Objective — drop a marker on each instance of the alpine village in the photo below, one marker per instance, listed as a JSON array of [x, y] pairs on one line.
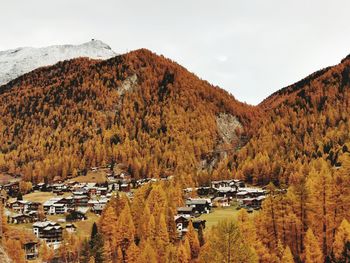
[[134, 159]]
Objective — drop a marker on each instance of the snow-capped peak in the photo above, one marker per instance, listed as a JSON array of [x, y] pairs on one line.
[[16, 62]]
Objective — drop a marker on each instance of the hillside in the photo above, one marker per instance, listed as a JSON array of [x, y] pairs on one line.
[[305, 121], [140, 109], [16, 62]]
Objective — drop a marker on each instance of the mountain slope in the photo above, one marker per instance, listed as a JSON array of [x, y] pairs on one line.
[[303, 122], [139, 109], [16, 62]]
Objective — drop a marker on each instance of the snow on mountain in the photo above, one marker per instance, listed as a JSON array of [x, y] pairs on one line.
[[16, 62]]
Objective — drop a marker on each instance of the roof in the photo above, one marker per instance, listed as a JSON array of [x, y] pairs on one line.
[[185, 209], [52, 201], [82, 210], [216, 199], [45, 224], [242, 193], [187, 217], [226, 189], [197, 201]]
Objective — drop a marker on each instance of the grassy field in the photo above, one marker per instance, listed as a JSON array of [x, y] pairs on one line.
[[41, 196], [219, 214], [83, 227], [92, 177]]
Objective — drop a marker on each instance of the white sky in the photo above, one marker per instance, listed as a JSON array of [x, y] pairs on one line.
[[249, 47]]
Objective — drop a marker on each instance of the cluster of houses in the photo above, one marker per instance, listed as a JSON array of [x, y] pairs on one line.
[[219, 194], [189, 213], [72, 199], [223, 192]]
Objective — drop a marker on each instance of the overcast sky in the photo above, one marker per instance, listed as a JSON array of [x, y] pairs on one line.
[[249, 47]]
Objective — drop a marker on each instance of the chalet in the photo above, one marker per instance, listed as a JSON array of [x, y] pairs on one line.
[[221, 202], [55, 206], [102, 191], [228, 183], [242, 195], [204, 191], [50, 232], [12, 188], [226, 191], [33, 206], [80, 200], [19, 206], [81, 192], [21, 219], [75, 215], [254, 202], [181, 222], [31, 250], [200, 205], [38, 187], [185, 210], [28, 240], [92, 191], [250, 192], [97, 206]]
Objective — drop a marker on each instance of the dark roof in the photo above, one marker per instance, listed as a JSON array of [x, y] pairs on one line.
[[196, 201]]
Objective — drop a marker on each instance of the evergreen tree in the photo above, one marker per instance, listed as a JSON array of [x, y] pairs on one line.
[[287, 256], [313, 253], [193, 240], [342, 238]]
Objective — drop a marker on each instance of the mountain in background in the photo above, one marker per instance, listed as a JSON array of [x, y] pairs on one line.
[[157, 118], [139, 109], [16, 62], [303, 122]]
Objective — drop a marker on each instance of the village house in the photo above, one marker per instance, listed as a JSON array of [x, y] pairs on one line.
[[21, 219], [80, 200], [185, 211], [253, 202], [31, 250], [200, 205], [97, 206], [23, 206], [226, 191], [12, 188], [221, 202], [28, 240], [204, 191], [55, 206], [181, 222], [76, 215], [50, 232], [250, 192]]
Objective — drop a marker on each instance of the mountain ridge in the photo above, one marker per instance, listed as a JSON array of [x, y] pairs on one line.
[[16, 62]]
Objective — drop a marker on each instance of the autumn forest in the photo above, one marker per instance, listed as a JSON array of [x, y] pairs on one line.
[[155, 119]]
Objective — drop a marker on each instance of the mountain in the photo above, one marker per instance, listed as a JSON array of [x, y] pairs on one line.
[[16, 62], [303, 122], [139, 109]]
